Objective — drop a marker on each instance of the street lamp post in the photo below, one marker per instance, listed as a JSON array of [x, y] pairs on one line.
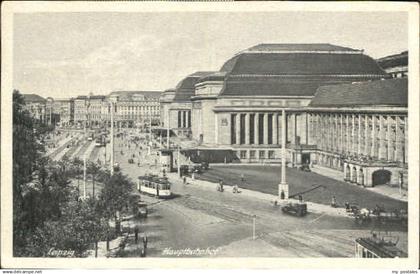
[[167, 131], [84, 176], [178, 163], [254, 217], [112, 139], [283, 186]]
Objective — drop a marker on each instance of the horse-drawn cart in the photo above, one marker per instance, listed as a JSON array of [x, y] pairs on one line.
[[380, 215]]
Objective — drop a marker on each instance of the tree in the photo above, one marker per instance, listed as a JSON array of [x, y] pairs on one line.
[[94, 170], [115, 196], [79, 227], [27, 151]]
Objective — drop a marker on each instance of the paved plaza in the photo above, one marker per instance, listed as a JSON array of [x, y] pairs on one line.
[[313, 187]]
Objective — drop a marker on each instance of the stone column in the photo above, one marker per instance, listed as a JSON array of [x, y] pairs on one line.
[[247, 131], [333, 134], [347, 139], [328, 132], [324, 126], [336, 134], [373, 136], [359, 134], [311, 129], [292, 128], [238, 128], [321, 131], [390, 150], [405, 139], [353, 134], [275, 128], [341, 133], [366, 152], [256, 128], [265, 138], [381, 138], [398, 144], [280, 128]]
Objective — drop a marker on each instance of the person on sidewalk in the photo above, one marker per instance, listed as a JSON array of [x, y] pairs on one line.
[[184, 180], [145, 242], [333, 202], [300, 198], [235, 189], [136, 234]]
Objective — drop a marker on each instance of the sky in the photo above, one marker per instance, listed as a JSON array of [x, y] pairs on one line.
[[63, 55]]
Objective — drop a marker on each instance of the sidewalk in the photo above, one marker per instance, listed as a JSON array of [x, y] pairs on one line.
[[312, 207], [385, 190]]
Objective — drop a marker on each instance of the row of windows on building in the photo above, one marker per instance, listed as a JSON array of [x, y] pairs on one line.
[[184, 119], [257, 154], [254, 128]]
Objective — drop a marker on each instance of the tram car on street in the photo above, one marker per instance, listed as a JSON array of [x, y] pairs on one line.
[[378, 246], [154, 186], [100, 140]]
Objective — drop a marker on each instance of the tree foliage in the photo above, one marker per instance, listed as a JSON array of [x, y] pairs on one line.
[[115, 194]]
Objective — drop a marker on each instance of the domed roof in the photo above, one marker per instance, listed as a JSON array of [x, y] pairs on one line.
[[186, 87], [295, 69]]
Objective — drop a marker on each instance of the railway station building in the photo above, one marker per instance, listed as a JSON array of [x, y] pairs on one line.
[[341, 110]]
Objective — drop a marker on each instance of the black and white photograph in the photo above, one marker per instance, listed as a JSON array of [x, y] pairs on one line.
[[209, 132]]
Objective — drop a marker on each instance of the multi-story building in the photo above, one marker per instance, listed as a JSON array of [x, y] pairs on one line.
[[178, 105], [165, 101], [395, 65], [94, 110], [361, 130], [35, 105], [64, 107], [316, 92], [133, 108], [80, 110]]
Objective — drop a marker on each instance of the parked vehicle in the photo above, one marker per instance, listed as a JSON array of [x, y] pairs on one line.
[[204, 165], [184, 169], [305, 167], [142, 210], [196, 168], [295, 209]]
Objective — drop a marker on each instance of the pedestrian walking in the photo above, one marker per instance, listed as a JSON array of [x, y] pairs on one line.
[[136, 234], [145, 242], [242, 177], [300, 198], [184, 180], [333, 202]]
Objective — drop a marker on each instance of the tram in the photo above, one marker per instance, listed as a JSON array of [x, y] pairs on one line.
[[154, 186], [378, 246]]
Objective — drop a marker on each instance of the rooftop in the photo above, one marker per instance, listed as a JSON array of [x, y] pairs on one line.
[[394, 60], [295, 69], [136, 95], [293, 47], [391, 92], [186, 87], [33, 98], [150, 93]]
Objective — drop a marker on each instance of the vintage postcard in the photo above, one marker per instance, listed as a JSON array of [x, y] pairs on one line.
[[210, 135]]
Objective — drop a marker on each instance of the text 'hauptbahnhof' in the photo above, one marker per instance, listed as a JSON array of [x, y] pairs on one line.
[[343, 111]]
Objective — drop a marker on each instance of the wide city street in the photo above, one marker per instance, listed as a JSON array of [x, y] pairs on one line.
[[213, 223]]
